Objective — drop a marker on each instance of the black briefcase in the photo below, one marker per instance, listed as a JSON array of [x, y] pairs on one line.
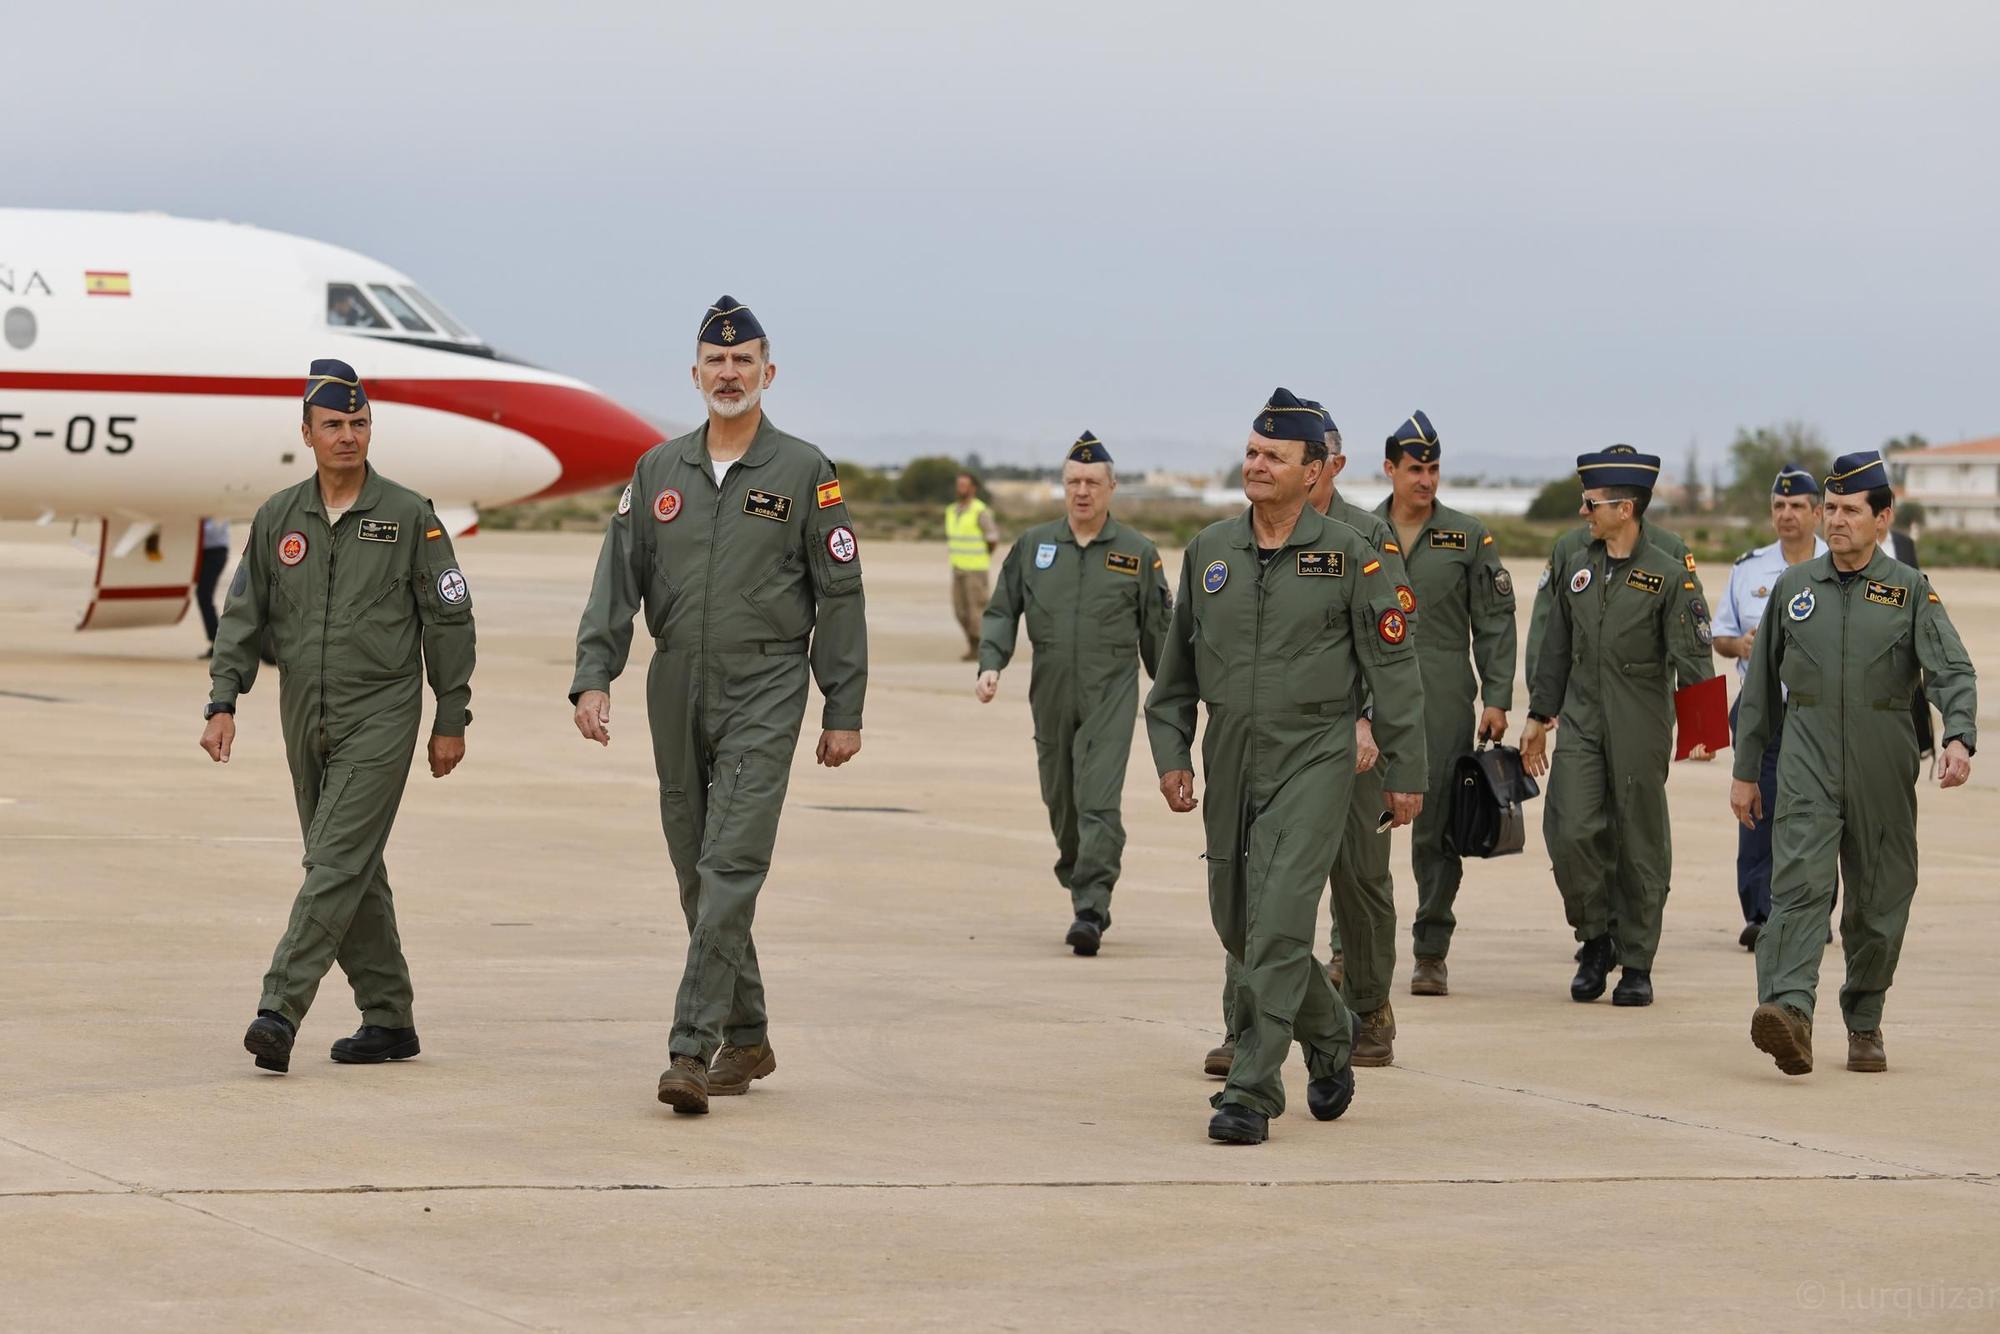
[[1488, 789]]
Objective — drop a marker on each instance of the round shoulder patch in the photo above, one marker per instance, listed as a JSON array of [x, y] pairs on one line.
[[625, 500], [667, 505], [1392, 626], [1580, 580], [451, 586], [1405, 598], [1801, 606], [292, 548], [840, 545], [1215, 576]]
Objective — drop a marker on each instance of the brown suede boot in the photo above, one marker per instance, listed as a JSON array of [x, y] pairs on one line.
[[1336, 968], [1375, 1044], [735, 1067], [684, 1085], [1220, 1059], [1785, 1034], [1428, 978], [1865, 1053]]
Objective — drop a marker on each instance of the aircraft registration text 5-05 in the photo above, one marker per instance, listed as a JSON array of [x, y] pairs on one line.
[[79, 435]]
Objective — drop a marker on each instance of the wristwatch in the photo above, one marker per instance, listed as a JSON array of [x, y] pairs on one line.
[[1543, 719], [214, 709]]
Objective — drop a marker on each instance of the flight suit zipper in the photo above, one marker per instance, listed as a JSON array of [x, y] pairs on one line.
[[325, 632], [1075, 634], [1256, 674]]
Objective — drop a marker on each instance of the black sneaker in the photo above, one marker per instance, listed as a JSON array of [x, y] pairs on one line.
[[269, 1039], [371, 1045], [1085, 933], [1232, 1124]]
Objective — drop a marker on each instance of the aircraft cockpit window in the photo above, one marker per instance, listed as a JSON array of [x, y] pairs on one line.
[[437, 312], [401, 309], [346, 308]]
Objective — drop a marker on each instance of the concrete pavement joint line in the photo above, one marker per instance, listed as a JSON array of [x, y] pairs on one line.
[[342, 1260], [1701, 1125], [129, 1186], [1688, 1178]]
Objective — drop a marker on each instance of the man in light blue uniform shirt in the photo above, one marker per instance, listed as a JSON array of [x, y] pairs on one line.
[[1795, 509]]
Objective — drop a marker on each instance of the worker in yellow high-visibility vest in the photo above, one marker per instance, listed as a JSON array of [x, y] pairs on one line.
[[971, 535]]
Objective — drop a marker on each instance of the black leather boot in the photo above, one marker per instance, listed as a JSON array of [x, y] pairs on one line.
[[1635, 987], [1232, 1124], [371, 1045], [1594, 962], [269, 1039], [1085, 933]]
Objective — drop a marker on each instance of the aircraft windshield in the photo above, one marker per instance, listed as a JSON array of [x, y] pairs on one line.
[[346, 308], [401, 309], [437, 312]]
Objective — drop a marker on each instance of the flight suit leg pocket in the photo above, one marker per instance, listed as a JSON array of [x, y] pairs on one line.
[[326, 844]]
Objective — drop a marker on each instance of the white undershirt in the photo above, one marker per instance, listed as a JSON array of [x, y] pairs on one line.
[[722, 467], [333, 515]]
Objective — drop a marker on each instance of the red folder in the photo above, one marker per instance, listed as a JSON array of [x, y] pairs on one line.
[[1701, 717]]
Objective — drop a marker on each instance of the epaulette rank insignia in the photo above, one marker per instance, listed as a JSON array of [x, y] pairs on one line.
[[1450, 541], [1646, 582], [1122, 563], [1887, 595], [1332, 564]]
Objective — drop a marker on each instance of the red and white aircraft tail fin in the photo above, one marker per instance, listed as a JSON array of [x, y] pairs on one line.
[[146, 572]]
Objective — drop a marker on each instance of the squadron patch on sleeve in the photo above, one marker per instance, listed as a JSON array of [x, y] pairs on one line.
[[768, 505], [451, 586], [1503, 583], [1646, 582], [1121, 563], [1580, 580], [625, 499], [1392, 626], [840, 545], [1327, 564], [1406, 597], [1887, 595], [1450, 541]]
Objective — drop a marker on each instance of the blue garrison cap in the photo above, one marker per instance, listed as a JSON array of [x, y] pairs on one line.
[[1620, 465], [728, 322], [1792, 480], [333, 384], [1289, 417], [1856, 473], [1088, 449], [1417, 438], [1320, 408]]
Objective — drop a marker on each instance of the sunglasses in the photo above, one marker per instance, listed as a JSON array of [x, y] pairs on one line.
[[1592, 505]]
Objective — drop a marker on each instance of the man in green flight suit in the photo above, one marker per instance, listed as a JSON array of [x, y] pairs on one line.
[[1629, 621], [734, 541], [1086, 614], [1280, 612], [1465, 595], [1838, 662], [352, 580]]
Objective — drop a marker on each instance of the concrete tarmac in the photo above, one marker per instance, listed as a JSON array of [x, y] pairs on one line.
[[970, 1127]]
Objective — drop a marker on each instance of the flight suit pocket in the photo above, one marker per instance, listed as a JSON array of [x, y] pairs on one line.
[[285, 621], [1211, 664], [1799, 671], [781, 599], [386, 630], [1889, 680]]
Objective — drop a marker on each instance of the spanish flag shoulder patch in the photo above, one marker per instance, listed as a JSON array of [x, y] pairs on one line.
[[828, 493], [1486, 540], [1392, 548], [1371, 567], [433, 534]]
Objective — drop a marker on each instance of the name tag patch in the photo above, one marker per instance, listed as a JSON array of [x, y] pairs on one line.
[[1646, 582], [1887, 595], [378, 530], [1450, 541], [1329, 564], [768, 505], [1122, 563]]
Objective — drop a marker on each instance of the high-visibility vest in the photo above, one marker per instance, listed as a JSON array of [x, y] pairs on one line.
[[965, 537]]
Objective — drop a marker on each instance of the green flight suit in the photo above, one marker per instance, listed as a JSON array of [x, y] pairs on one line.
[[1463, 594], [1566, 546], [1088, 609], [742, 585], [1362, 888], [1275, 650], [1620, 633], [1837, 664], [357, 613]]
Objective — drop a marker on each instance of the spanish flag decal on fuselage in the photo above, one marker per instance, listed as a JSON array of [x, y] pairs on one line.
[[105, 282]]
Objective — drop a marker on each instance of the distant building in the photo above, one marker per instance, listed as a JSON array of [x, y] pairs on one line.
[[1958, 485]]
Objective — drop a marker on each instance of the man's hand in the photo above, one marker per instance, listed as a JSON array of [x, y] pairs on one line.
[[837, 748], [1403, 807], [988, 687], [1955, 769], [1749, 643], [593, 716], [1365, 750], [445, 753], [220, 735], [1493, 724], [1700, 753], [1746, 801], [1178, 788], [1535, 749]]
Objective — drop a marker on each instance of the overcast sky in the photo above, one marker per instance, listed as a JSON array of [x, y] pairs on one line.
[[1552, 225]]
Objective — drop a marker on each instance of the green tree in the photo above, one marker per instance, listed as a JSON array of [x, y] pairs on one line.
[[931, 479], [1757, 455], [860, 482], [1910, 441], [1556, 500]]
